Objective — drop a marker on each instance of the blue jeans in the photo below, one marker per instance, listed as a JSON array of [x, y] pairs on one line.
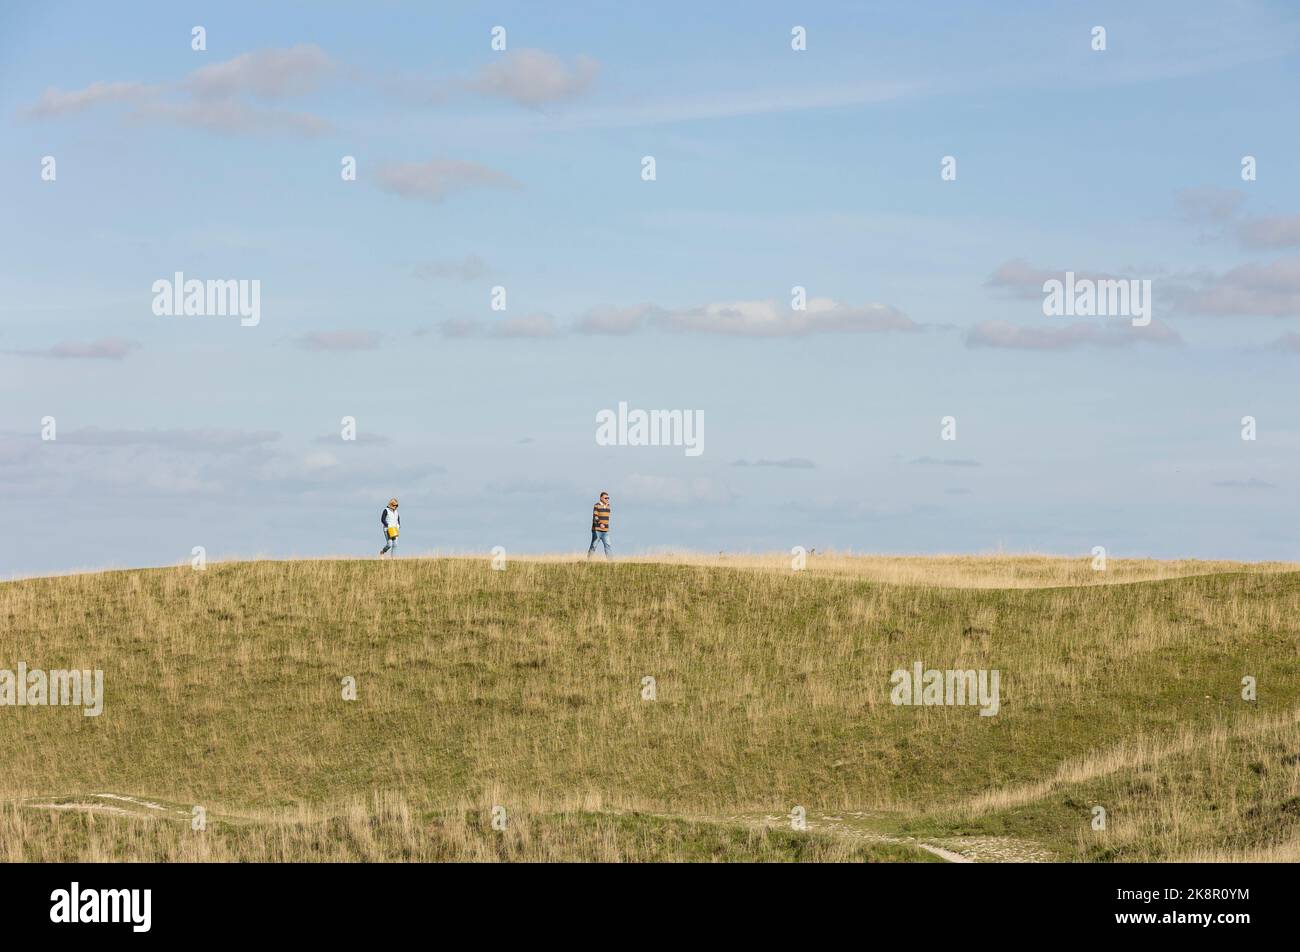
[[604, 540], [388, 544]]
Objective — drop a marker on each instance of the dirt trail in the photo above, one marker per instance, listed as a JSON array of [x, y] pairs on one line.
[[954, 849], [862, 826], [95, 803]]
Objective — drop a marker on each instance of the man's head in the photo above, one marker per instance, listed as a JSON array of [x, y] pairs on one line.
[[604, 499], [392, 504]]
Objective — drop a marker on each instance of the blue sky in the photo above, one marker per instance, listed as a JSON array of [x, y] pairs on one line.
[[522, 169]]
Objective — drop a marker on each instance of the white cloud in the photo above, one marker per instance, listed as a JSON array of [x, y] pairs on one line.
[[1260, 290], [211, 440], [772, 318], [1021, 279], [434, 180], [614, 320], [209, 97], [56, 102], [1244, 484], [535, 77], [756, 318], [1004, 334], [1279, 232], [1287, 342], [106, 348], [266, 74]]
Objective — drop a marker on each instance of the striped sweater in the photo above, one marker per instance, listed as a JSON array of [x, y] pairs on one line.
[[600, 518]]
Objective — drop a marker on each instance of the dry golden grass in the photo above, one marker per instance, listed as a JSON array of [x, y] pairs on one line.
[[1137, 754], [930, 571], [1288, 852], [223, 689], [386, 828], [960, 571]]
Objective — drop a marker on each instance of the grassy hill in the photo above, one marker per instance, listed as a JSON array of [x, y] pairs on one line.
[[523, 689]]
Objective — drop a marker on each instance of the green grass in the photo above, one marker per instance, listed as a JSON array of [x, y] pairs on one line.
[[378, 832], [523, 688]]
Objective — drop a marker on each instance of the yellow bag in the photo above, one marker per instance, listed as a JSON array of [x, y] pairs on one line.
[[392, 532]]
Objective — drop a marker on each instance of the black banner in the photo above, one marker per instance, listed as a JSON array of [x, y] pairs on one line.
[[139, 902]]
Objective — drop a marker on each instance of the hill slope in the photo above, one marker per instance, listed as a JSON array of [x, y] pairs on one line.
[[525, 688]]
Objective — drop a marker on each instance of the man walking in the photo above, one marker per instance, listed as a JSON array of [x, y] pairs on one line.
[[392, 524], [600, 525]]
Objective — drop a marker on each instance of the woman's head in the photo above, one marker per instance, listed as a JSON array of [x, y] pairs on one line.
[[392, 504]]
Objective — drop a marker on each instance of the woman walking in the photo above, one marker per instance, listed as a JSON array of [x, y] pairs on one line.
[[392, 524]]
